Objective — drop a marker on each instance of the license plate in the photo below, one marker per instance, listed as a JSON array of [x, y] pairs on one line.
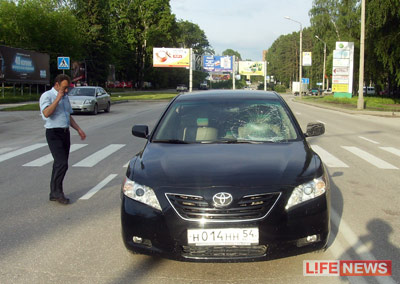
[[223, 237]]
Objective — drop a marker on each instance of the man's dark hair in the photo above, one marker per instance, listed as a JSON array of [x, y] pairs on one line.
[[62, 77]]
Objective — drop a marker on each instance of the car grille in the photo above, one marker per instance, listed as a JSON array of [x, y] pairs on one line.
[[196, 208], [223, 251]]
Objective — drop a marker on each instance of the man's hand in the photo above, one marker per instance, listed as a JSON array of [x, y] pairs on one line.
[[82, 134]]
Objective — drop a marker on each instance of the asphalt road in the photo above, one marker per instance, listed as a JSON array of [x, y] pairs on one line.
[[45, 242]]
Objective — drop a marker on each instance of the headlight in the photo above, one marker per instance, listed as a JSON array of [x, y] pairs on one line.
[[88, 102], [306, 191], [141, 193]]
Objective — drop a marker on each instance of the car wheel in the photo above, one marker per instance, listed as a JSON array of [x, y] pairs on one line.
[[95, 109], [108, 108]]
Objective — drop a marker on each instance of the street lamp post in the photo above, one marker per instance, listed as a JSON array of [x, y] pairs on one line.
[[323, 72], [360, 101], [301, 53]]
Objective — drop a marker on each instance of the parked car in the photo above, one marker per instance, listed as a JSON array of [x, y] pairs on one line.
[[226, 176], [181, 88], [203, 86], [89, 99], [369, 90], [314, 92]]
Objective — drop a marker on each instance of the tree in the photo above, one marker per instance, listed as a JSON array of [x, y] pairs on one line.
[[231, 52]]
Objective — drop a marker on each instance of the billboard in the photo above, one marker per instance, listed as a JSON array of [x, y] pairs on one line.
[[342, 67], [217, 63], [255, 68], [24, 66], [171, 57], [307, 59]]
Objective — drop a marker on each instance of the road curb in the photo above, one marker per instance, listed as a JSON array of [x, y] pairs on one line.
[[350, 111]]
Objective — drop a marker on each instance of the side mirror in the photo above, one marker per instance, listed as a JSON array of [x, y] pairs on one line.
[[315, 129], [141, 131]]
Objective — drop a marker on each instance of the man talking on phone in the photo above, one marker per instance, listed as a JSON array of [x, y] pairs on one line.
[[56, 111]]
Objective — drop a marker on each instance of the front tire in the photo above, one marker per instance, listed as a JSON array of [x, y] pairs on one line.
[[108, 108], [95, 109]]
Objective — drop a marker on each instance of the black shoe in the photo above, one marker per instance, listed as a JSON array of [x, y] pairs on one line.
[[62, 199]]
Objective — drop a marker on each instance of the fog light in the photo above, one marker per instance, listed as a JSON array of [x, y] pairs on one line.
[[137, 240], [308, 240], [312, 238]]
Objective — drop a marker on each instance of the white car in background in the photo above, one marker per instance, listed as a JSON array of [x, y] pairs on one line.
[[89, 99]]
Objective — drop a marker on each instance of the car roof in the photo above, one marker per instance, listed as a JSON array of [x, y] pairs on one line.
[[228, 94]]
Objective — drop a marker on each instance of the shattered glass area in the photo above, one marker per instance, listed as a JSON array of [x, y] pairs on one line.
[[217, 122]]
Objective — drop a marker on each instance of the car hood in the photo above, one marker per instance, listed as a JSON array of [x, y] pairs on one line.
[[204, 165], [80, 98]]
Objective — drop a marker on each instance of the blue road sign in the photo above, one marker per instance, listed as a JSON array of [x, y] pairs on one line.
[[63, 63], [305, 80]]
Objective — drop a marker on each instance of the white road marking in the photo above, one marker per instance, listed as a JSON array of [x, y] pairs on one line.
[[391, 150], [321, 122], [21, 151], [49, 158], [328, 159], [381, 164], [98, 187], [298, 113], [369, 140], [4, 150], [99, 156], [356, 244], [126, 165]]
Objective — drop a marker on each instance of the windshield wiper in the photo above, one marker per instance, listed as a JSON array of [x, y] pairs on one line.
[[171, 141], [235, 141]]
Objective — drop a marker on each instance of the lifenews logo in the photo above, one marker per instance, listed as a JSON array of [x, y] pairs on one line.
[[347, 267]]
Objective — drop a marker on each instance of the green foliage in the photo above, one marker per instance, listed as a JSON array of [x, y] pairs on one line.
[[339, 20], [231, 52], [280, 88]]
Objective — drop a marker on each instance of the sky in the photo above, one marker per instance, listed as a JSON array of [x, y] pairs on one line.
[[246, 26]]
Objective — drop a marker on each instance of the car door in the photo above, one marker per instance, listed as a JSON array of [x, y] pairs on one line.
[[100, 98]]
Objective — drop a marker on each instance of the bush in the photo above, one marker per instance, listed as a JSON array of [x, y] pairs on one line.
[[280, 89]]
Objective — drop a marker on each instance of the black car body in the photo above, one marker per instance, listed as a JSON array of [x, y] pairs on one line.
[[226, 176]]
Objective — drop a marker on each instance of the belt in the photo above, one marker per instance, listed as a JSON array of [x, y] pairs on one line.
[[59, 129]]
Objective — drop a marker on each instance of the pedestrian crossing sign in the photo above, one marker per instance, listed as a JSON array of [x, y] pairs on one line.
[[63, 63]]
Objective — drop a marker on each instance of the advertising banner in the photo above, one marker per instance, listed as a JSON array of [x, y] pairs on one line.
[[307, 61], [255, 68], [171, 57], [342, 69], [217, 63], [24, 66]]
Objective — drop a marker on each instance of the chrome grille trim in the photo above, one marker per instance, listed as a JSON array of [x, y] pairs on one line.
[[236, 214], [224, 251]]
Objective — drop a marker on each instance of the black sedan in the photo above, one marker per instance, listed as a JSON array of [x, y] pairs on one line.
[[226, 176]]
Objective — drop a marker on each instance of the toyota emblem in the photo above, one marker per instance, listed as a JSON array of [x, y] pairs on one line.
[[222, 199]]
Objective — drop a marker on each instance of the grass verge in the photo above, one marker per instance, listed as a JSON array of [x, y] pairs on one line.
[[371, 103]]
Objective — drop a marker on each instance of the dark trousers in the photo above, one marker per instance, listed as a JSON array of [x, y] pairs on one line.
[[59, 142]]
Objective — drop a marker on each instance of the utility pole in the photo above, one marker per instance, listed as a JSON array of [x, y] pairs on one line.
[[301, 55], [191, 70], [360, 101], [323, 72], [233, 73]]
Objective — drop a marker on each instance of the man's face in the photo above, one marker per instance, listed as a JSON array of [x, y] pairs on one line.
[[63, 86]]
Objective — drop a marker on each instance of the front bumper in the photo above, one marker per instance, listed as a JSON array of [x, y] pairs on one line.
[[281, 233], [82, 107]]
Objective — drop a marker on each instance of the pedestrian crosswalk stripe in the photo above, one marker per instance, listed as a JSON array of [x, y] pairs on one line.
[[126, 165], [21, 151], [49, 158], [4, 150], [98, 187], [99, 156], [381, 164], [328, 159], [369, 140], [391, 150]]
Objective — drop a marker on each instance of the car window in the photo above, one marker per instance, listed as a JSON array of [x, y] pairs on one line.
[[240, 121], [88, 92]]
